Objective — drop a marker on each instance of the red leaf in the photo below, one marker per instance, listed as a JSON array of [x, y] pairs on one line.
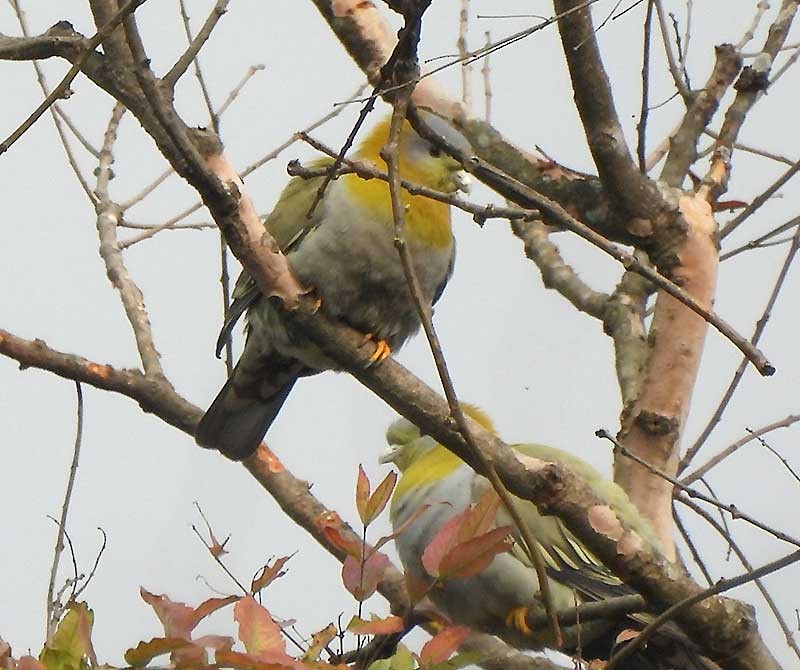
[[269, 573], [377, 501], [474, 556], [376, 626], [178, 619], [362, 580], [259, 633], [29, 663], [479, 517], [210, 606], [362, 494], [440, 647], [444, 540], [332, 527]]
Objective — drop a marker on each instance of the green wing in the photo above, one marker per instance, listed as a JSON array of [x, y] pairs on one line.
[[288, 224]]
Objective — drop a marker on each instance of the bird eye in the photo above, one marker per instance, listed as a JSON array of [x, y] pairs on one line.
[[435, 152]]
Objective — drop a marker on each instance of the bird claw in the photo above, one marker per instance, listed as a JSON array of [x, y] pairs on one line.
[[517, 619], [382, 350]]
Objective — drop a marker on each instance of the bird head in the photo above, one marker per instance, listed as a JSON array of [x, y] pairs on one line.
[[419, 161], [407, 443]]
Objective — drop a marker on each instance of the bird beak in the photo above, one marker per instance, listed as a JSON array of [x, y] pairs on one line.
[[463, 181], [388, 455]]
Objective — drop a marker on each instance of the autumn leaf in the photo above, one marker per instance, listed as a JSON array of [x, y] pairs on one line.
[[319, 641], [29, 663], [376, 625], [440, 647], [338, 535], [362, 493], [178, 619], [474, 556], [402, 659], [362, 580], [260, 634], [377, 501], [214, 546], [269, 573], [144, 652], [463, 547], [71, 645]]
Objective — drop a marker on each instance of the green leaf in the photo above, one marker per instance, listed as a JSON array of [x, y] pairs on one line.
[[71, 646]]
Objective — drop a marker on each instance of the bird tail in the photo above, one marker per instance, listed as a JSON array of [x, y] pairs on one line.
[[235, 423], [671, 650]]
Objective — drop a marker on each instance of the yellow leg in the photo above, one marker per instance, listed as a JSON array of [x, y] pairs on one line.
[[516, 619], [382, 350]]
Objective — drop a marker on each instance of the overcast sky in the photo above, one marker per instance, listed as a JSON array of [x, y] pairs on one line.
[[543, 372]]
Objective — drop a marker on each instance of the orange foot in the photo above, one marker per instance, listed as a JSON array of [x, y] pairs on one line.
[[516, 619], [382, 349]]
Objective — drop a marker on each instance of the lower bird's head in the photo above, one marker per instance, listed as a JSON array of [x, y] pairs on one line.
[[419, 160], [407, 443]]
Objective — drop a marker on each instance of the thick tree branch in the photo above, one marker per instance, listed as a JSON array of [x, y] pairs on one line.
[[683, 144], [622, 180], [653, 423]]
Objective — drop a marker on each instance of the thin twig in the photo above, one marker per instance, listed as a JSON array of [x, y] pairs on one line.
[[758, 201], [761, 242], [725, 453], [53, 612], [687, 538], [641, 127], [189, 56], [672, 63], [77, 64], [777, 454], [59, 117], [731, 509], [461, 45], [486, 73], [787, 632], [749, 34], [722, 585]]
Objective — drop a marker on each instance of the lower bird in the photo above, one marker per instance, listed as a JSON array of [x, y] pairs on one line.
[[499, 598], [345, 251]]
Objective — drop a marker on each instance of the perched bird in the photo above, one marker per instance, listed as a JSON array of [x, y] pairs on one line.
[[345, 252], [498, 598]]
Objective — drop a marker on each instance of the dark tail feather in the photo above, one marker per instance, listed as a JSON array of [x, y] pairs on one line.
[[234, 425], [671, 651]]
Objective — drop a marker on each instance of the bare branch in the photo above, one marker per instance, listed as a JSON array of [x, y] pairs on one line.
[[108, 217], [683, 145], [187, 57], [751, 435], [59, 90], [53, 608]]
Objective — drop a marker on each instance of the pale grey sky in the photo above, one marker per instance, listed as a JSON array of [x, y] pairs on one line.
[[543, 371]]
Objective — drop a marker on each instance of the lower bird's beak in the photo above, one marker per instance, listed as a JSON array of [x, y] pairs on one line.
[[388, 455], [462, 180]]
